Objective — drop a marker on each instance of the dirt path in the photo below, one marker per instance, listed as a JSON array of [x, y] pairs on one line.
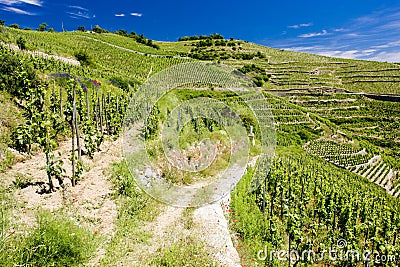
[[42, 54], [91, 205], [213, 230]]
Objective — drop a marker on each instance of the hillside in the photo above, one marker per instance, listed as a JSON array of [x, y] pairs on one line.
[[284, 69], [335, 174]]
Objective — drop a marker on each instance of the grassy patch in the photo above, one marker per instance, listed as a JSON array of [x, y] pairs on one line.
[[7, 237], [57, 242], [22, 180], [185, 252], [135, 208], [7, 159]]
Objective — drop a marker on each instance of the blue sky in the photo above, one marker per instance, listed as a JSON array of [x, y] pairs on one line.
[[362, 29]]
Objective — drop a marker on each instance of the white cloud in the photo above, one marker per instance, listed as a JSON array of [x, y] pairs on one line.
[[17, 11], [297, 26], [79, 7], [314, 34], [79, 14], [136, 14], [19, 2], [120, 15], [387, 57], [387, 45]]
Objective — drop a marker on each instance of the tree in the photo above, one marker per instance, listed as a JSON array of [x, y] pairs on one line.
[[21, 43], [2, 22], [98, 29], [42, 27], [14, 25], [81, 28], [121, 32], [83, 57]]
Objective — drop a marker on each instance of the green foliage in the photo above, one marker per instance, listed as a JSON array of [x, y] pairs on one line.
[[16, 76], [22, 181], [122, 179], [42, 27], [214, 36], [8, 242], [21, 42], [90, 135], [252, 68], [314, 207], [152, 125], [98, 29], [57, 242], [7, 159], [125, 185], [83, 57], [81, 28], [14, 25], [138, 38], [122, 83], [184, 252], [55, 166]]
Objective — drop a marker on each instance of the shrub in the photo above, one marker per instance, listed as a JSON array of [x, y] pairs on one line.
[[125, 185], [42, 27], [98, 29], [57, 242], [21, 43], [14, 25], [83, 57], [16, 76]]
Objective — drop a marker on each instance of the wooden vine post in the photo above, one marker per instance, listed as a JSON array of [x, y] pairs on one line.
[[76, 124], [73, 180], [87, 103]]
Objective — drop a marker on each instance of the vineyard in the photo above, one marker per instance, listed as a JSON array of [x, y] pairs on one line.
[[306, 205], [359, 162], [314, 158]]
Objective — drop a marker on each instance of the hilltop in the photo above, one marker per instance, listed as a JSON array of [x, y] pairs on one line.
[[273, 69]]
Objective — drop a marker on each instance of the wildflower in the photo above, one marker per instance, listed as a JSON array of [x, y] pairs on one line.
[[95, 233]]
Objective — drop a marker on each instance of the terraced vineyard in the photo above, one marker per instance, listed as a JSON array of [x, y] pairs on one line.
[[358, 161], [291, 71], [335, 173]]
